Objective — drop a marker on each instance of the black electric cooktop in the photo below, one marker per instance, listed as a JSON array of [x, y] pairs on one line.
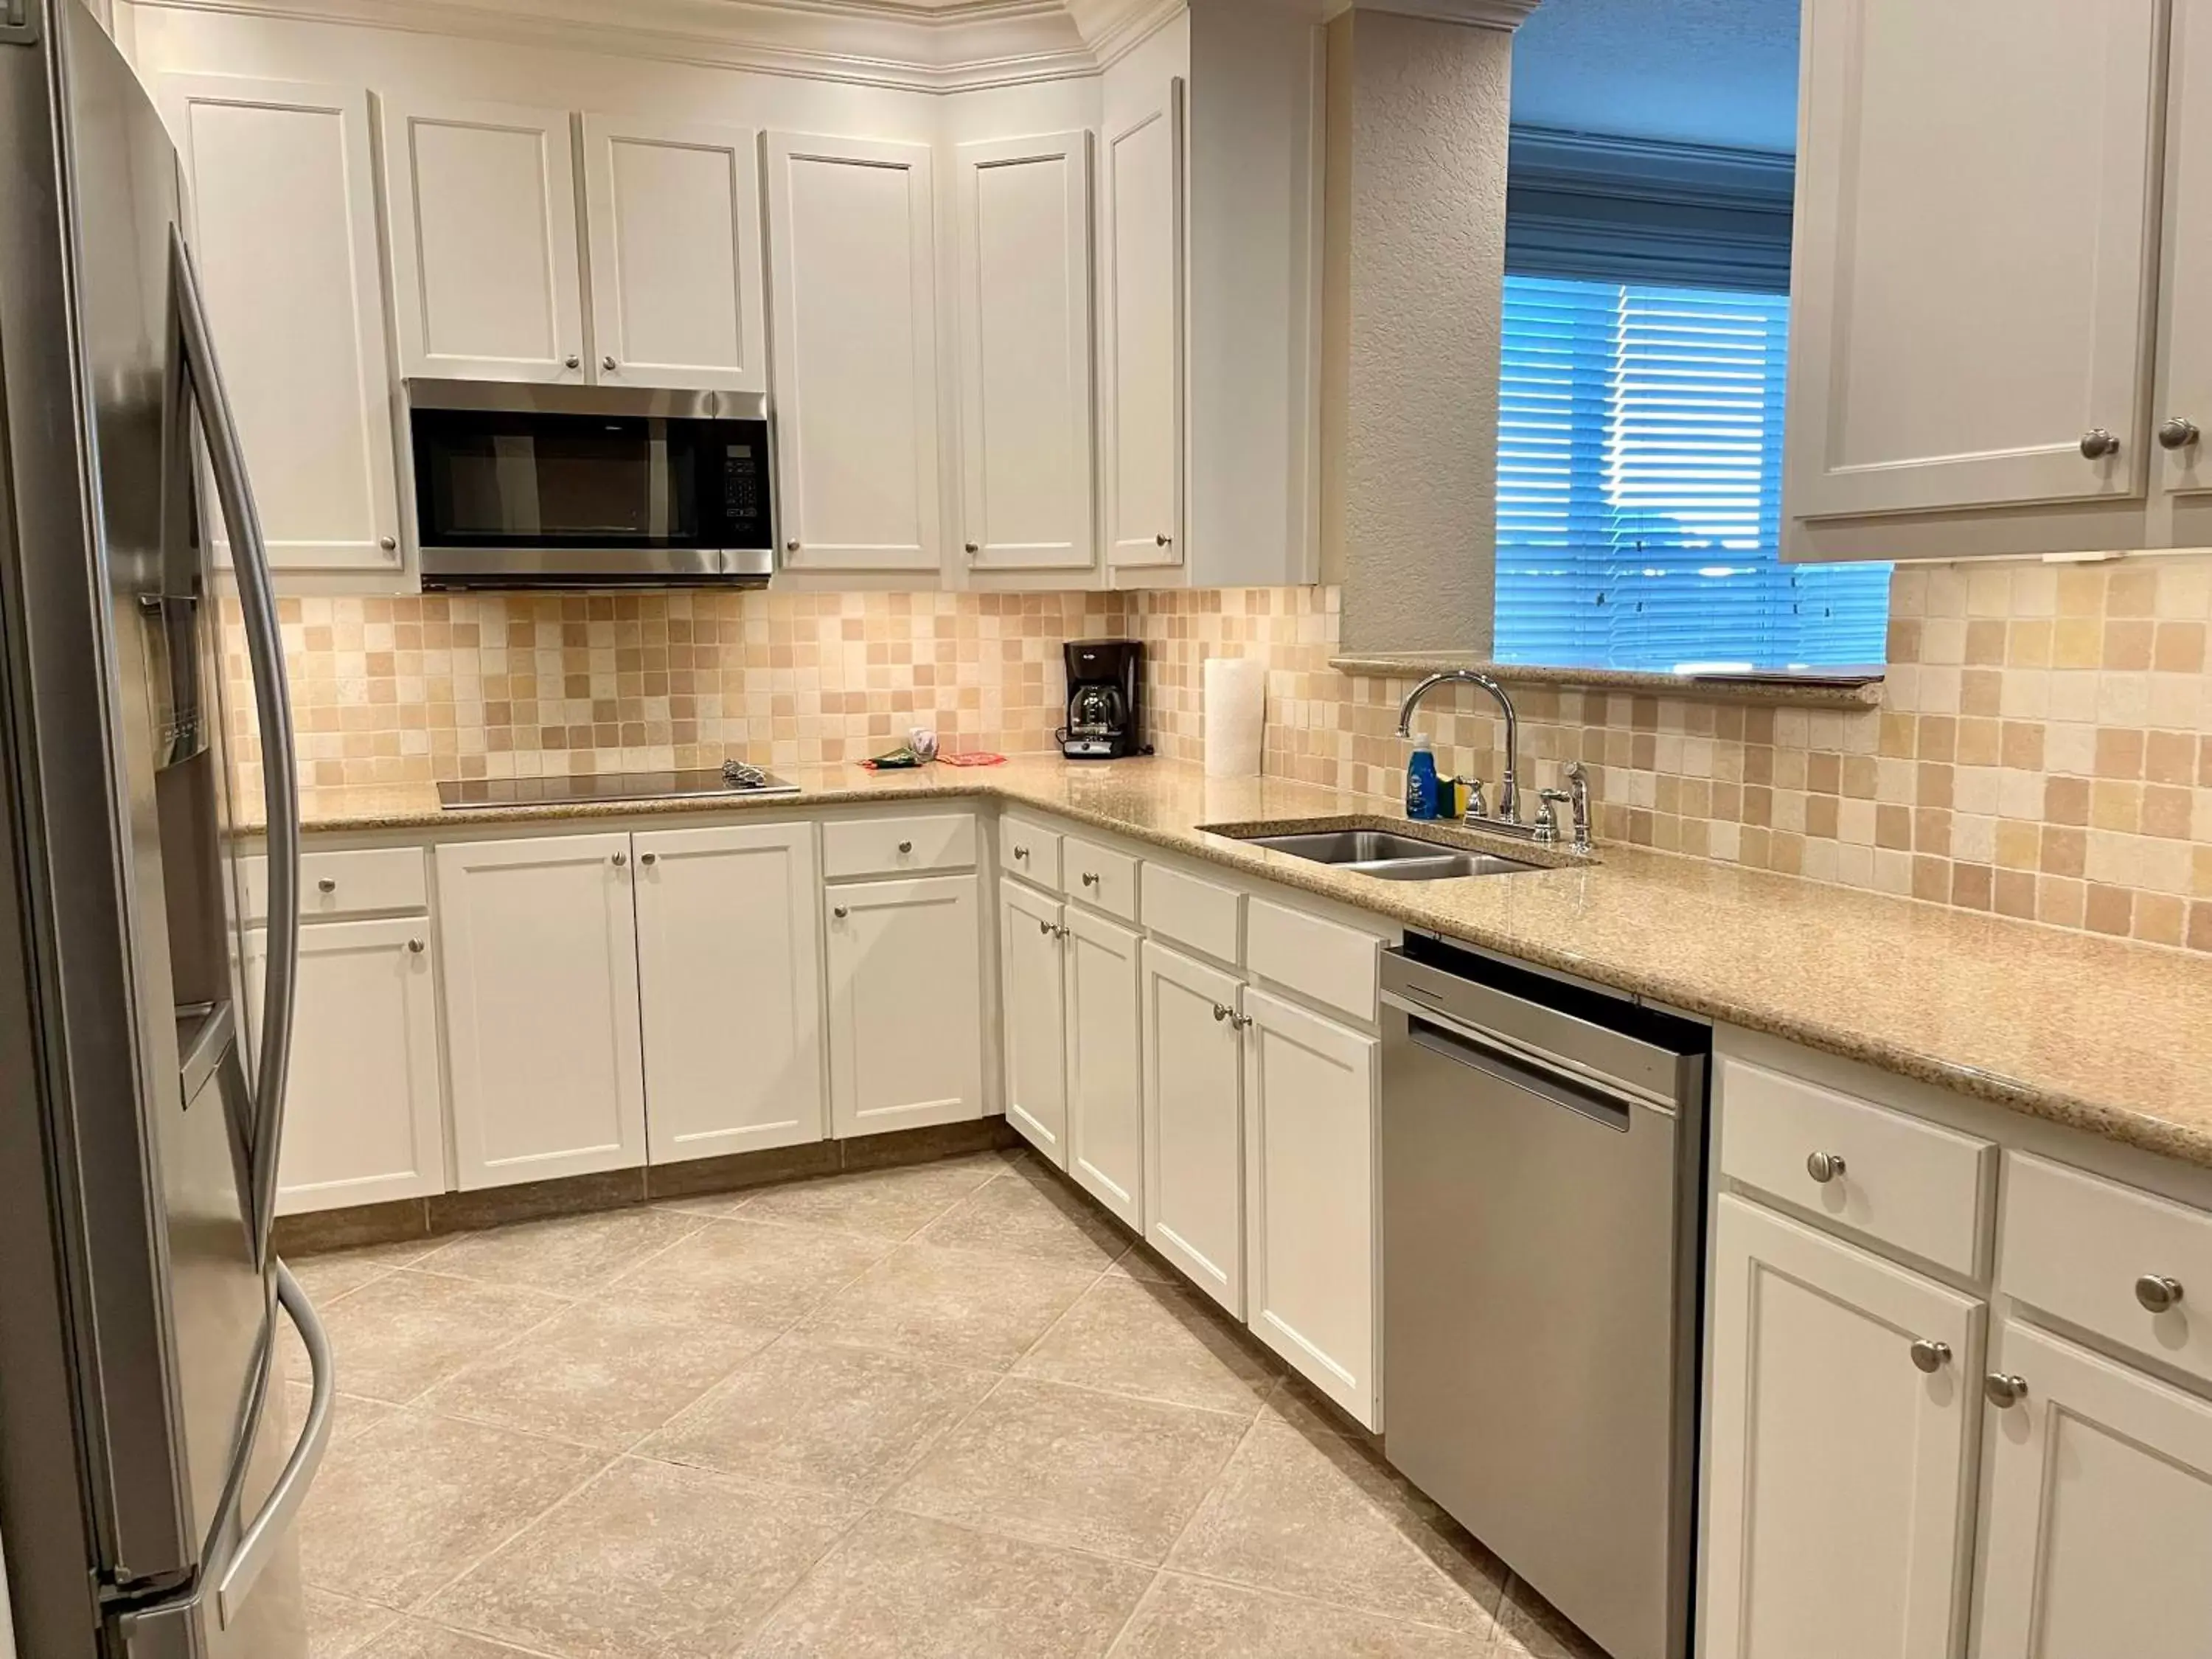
[[582, 788]]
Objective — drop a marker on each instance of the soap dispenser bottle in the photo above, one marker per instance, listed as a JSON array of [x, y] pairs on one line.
[[1421, 780]]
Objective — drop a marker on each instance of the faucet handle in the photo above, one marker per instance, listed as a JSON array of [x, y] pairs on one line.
[[1477, 807], [1548, 812]]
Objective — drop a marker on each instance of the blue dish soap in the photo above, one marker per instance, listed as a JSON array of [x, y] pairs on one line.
[[1421, 789]]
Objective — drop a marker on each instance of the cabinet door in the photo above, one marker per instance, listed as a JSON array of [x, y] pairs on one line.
[[1310, 1236], [853, 308], [364, 1114], [480, 204], [905, 1003], [729, 969], [1975, 183], [1141, 331], [673, 211], [282, 191], [539, 947], [2100, 1511], [1035, 1005], [2182, 416], [1105, 1064], [1024, 263], [1195, 1122], [1840, 1475]]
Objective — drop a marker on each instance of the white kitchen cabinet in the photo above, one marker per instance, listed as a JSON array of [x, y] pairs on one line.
[[1033, 1010], [2100, 1513], [364, 1112], [2181, 413], [852, 344], [282, 202], [1839, 1493], [540, 945], [1194, 1121], [1140, 331], [1310, 1256], [729, 967], [672, 211], [1024, 260], [480, 211], [905, 1003], [1105, 1071]]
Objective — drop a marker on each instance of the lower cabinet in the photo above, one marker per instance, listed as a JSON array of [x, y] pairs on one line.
[[540, 957], [1840, 1490], [1310, 1183], [1194, 1120], [729, 965], [1033, 1005], [906, 1003], [2099, 1523], [364, 1121], [1105, 1072]]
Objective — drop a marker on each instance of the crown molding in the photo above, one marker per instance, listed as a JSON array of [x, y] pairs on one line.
[[1505, 14], [962, 45]]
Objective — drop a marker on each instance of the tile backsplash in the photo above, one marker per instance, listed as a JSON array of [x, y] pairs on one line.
[[2044, 748]]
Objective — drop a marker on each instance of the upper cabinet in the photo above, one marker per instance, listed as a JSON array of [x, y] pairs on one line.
[[853, 303], [1977, 297], [299, 317], [673, 212], [1141, 331], [1023, 274], [487, 274]]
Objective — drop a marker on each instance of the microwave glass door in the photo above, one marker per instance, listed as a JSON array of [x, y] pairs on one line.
[[555, 481]]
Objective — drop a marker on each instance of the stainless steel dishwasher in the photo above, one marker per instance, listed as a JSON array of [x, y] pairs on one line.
[[1543, 1149]]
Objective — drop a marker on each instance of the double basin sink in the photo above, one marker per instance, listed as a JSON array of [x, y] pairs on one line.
[[1383, 854]]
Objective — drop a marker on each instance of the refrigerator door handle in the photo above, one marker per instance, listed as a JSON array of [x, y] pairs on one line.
[[264, 650], [258, 1541]]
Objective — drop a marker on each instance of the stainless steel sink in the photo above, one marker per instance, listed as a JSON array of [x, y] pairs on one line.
[[1386, 856]]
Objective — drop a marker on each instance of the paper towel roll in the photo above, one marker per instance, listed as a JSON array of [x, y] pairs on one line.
[[1235, 715]]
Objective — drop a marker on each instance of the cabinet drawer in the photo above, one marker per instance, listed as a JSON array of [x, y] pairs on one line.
[[343, 883], [1101, 877], [1323, 960], [898, 846], [1028, 849], [1203, 915], [1914, 1185], [2077, 1245]]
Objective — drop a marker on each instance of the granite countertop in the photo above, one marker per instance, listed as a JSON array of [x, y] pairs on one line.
[[2106, 1036]]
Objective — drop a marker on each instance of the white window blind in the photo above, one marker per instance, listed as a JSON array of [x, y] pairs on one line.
[[1639, 489]]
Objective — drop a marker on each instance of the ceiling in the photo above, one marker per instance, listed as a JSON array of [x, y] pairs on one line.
[[1721, 72]]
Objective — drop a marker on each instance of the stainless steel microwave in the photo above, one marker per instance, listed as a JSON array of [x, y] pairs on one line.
[[568, 486]]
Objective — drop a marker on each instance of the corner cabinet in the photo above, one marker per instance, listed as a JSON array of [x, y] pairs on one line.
[[672, 218], [480, 208], [1840, 1525], [540, 956], [906, 1003], [1973, 343], [852, 343], [1140, 329], [729, 986], [298, 317]]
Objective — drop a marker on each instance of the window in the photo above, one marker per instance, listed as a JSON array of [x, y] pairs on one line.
[[1639, 489]]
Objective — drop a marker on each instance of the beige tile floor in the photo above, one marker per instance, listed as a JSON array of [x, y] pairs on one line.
[[938, 1411]]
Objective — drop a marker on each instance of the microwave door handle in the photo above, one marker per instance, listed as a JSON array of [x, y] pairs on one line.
[[265, 650]]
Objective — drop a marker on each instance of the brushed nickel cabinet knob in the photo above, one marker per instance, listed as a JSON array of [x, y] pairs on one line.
[[414, 946], [607, 362], [840, 912], [572, 361], [1090, 878], [1044, 928], [791, 546], [1824, 1167], [906, 846], [1022, 852], [2003, 1389], [1220, 1013], [2157, 1293], [327, 884], [621, 858], [648, 858], [1165, 539], [972, 548], [1931, 1356], [387, 543], [2098, 443], [2177, 434]]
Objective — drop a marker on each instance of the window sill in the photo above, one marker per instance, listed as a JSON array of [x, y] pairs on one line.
[[1769, 690]]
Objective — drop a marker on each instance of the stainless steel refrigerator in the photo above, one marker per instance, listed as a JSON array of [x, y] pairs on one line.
[[148, 1478]]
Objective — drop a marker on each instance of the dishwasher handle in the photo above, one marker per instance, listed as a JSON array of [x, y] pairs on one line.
[[1505, 1062]]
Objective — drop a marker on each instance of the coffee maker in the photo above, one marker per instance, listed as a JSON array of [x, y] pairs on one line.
[[1104, 678]]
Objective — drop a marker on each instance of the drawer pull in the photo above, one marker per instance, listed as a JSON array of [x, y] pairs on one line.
[[1090, 878], [2157, 1293], [906, 846], [1021, 853], [840, 912], [648, 858], [1931, 1356], [414, 946], [2003, 1389], [1824, 1167], [327, 884]]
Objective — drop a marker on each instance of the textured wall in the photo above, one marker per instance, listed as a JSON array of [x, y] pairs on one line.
[[1418, 230]]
